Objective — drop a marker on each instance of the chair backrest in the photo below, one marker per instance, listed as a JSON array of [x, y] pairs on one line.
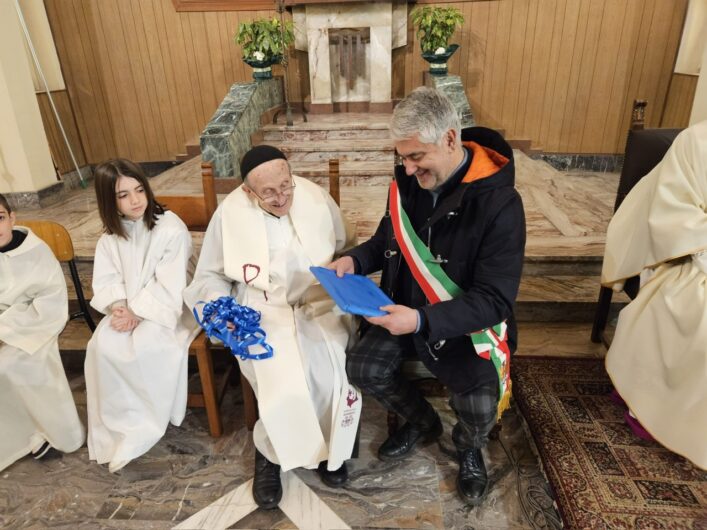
[[194, 210], [645, 148], [54, 235], [334, 180]]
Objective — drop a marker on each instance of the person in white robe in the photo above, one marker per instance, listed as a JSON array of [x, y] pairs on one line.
[[136, 361], [258, 249], [658, 357], [37, 410]]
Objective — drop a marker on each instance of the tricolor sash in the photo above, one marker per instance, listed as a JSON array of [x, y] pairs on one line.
[[489, 343]]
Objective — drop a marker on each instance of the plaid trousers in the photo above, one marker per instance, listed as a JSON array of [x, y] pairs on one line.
[[375, 366]]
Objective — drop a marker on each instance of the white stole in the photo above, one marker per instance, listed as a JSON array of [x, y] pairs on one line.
[[284, 401]]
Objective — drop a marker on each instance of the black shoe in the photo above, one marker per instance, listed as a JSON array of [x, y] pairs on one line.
[[46, 452], [267, 488], [472, 480], [401, 442], [333, 479]]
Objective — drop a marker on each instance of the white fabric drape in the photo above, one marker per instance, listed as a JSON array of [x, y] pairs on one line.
[[36, 404], [658, 358]]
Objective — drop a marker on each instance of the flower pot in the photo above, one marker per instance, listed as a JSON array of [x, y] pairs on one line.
[[438, 61], [263, 69]]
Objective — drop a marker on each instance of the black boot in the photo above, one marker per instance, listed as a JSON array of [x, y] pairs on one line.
[[472, 480], [267, 488], [333, 479], [402, 441]]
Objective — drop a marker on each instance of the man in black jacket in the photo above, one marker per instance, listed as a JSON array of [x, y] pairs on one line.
[[451, 247]]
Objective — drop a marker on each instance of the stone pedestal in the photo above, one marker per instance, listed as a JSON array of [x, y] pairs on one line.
[[452, 87], [226, 138], [385, 25]]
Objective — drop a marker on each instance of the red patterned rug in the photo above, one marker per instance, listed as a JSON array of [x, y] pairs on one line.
[[603, 476]]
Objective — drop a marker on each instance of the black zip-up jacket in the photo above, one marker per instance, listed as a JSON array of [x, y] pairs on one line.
[[477, 229]]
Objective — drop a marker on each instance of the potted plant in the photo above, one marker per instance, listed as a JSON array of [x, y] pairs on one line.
[[264, 42], [435, 26]]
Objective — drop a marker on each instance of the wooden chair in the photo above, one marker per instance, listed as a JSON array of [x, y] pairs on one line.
[[196, 212], [645, 148], [58, 239]]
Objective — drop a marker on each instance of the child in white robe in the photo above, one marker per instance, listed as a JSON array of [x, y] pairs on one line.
[[136, 361], [37, 411]]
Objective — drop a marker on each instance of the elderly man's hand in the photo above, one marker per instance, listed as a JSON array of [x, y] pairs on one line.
[[400, 319], [344, 264]]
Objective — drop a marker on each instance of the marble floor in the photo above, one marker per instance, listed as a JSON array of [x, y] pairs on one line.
[[187, 470]]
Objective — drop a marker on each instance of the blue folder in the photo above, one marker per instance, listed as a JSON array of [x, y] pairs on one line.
[[353, 293]]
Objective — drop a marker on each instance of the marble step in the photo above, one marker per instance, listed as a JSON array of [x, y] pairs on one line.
[[351, 173], [317, 133], [557, 339], [354, 150]]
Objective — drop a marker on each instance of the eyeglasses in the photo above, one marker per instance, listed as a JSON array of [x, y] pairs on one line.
[[271, 197]]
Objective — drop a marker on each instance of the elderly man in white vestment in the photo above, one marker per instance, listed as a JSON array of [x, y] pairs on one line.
[[37, 410], [658, 358], [258, 248]]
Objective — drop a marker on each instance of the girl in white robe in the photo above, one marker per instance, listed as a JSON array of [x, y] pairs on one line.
[[136, 361], [658, 357], [36, 405]]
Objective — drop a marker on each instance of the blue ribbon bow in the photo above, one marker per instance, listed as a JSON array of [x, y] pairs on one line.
[[247, 332]]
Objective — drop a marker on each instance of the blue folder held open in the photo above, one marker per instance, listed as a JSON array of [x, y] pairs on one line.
[[353, 293]]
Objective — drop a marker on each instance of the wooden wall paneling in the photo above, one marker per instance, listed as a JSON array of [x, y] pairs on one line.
[[116, 75], [236, 60], [501, 60], [71, 26], [650, 86], [537, 62], [408, 50], [485, 107], [147, 80], [416, 63], [211, 76], [398, 74], [557, 12], [199, 81], [569, 126], [513, 83], [159, 60], [678, 105], [670, 58], [645, 9], [627, 17], [475, 73], [60, 153], [588, 65], [561, 86], [519, 120], [144, 79], [184, 83], [462, 36], [598, 97], [219, 23], [459, 37], [182, 109]]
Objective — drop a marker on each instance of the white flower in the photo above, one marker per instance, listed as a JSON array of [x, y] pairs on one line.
[[258, 56], [440, 51]]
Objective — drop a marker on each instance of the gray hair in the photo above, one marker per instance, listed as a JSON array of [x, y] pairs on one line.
[[427, 113]]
